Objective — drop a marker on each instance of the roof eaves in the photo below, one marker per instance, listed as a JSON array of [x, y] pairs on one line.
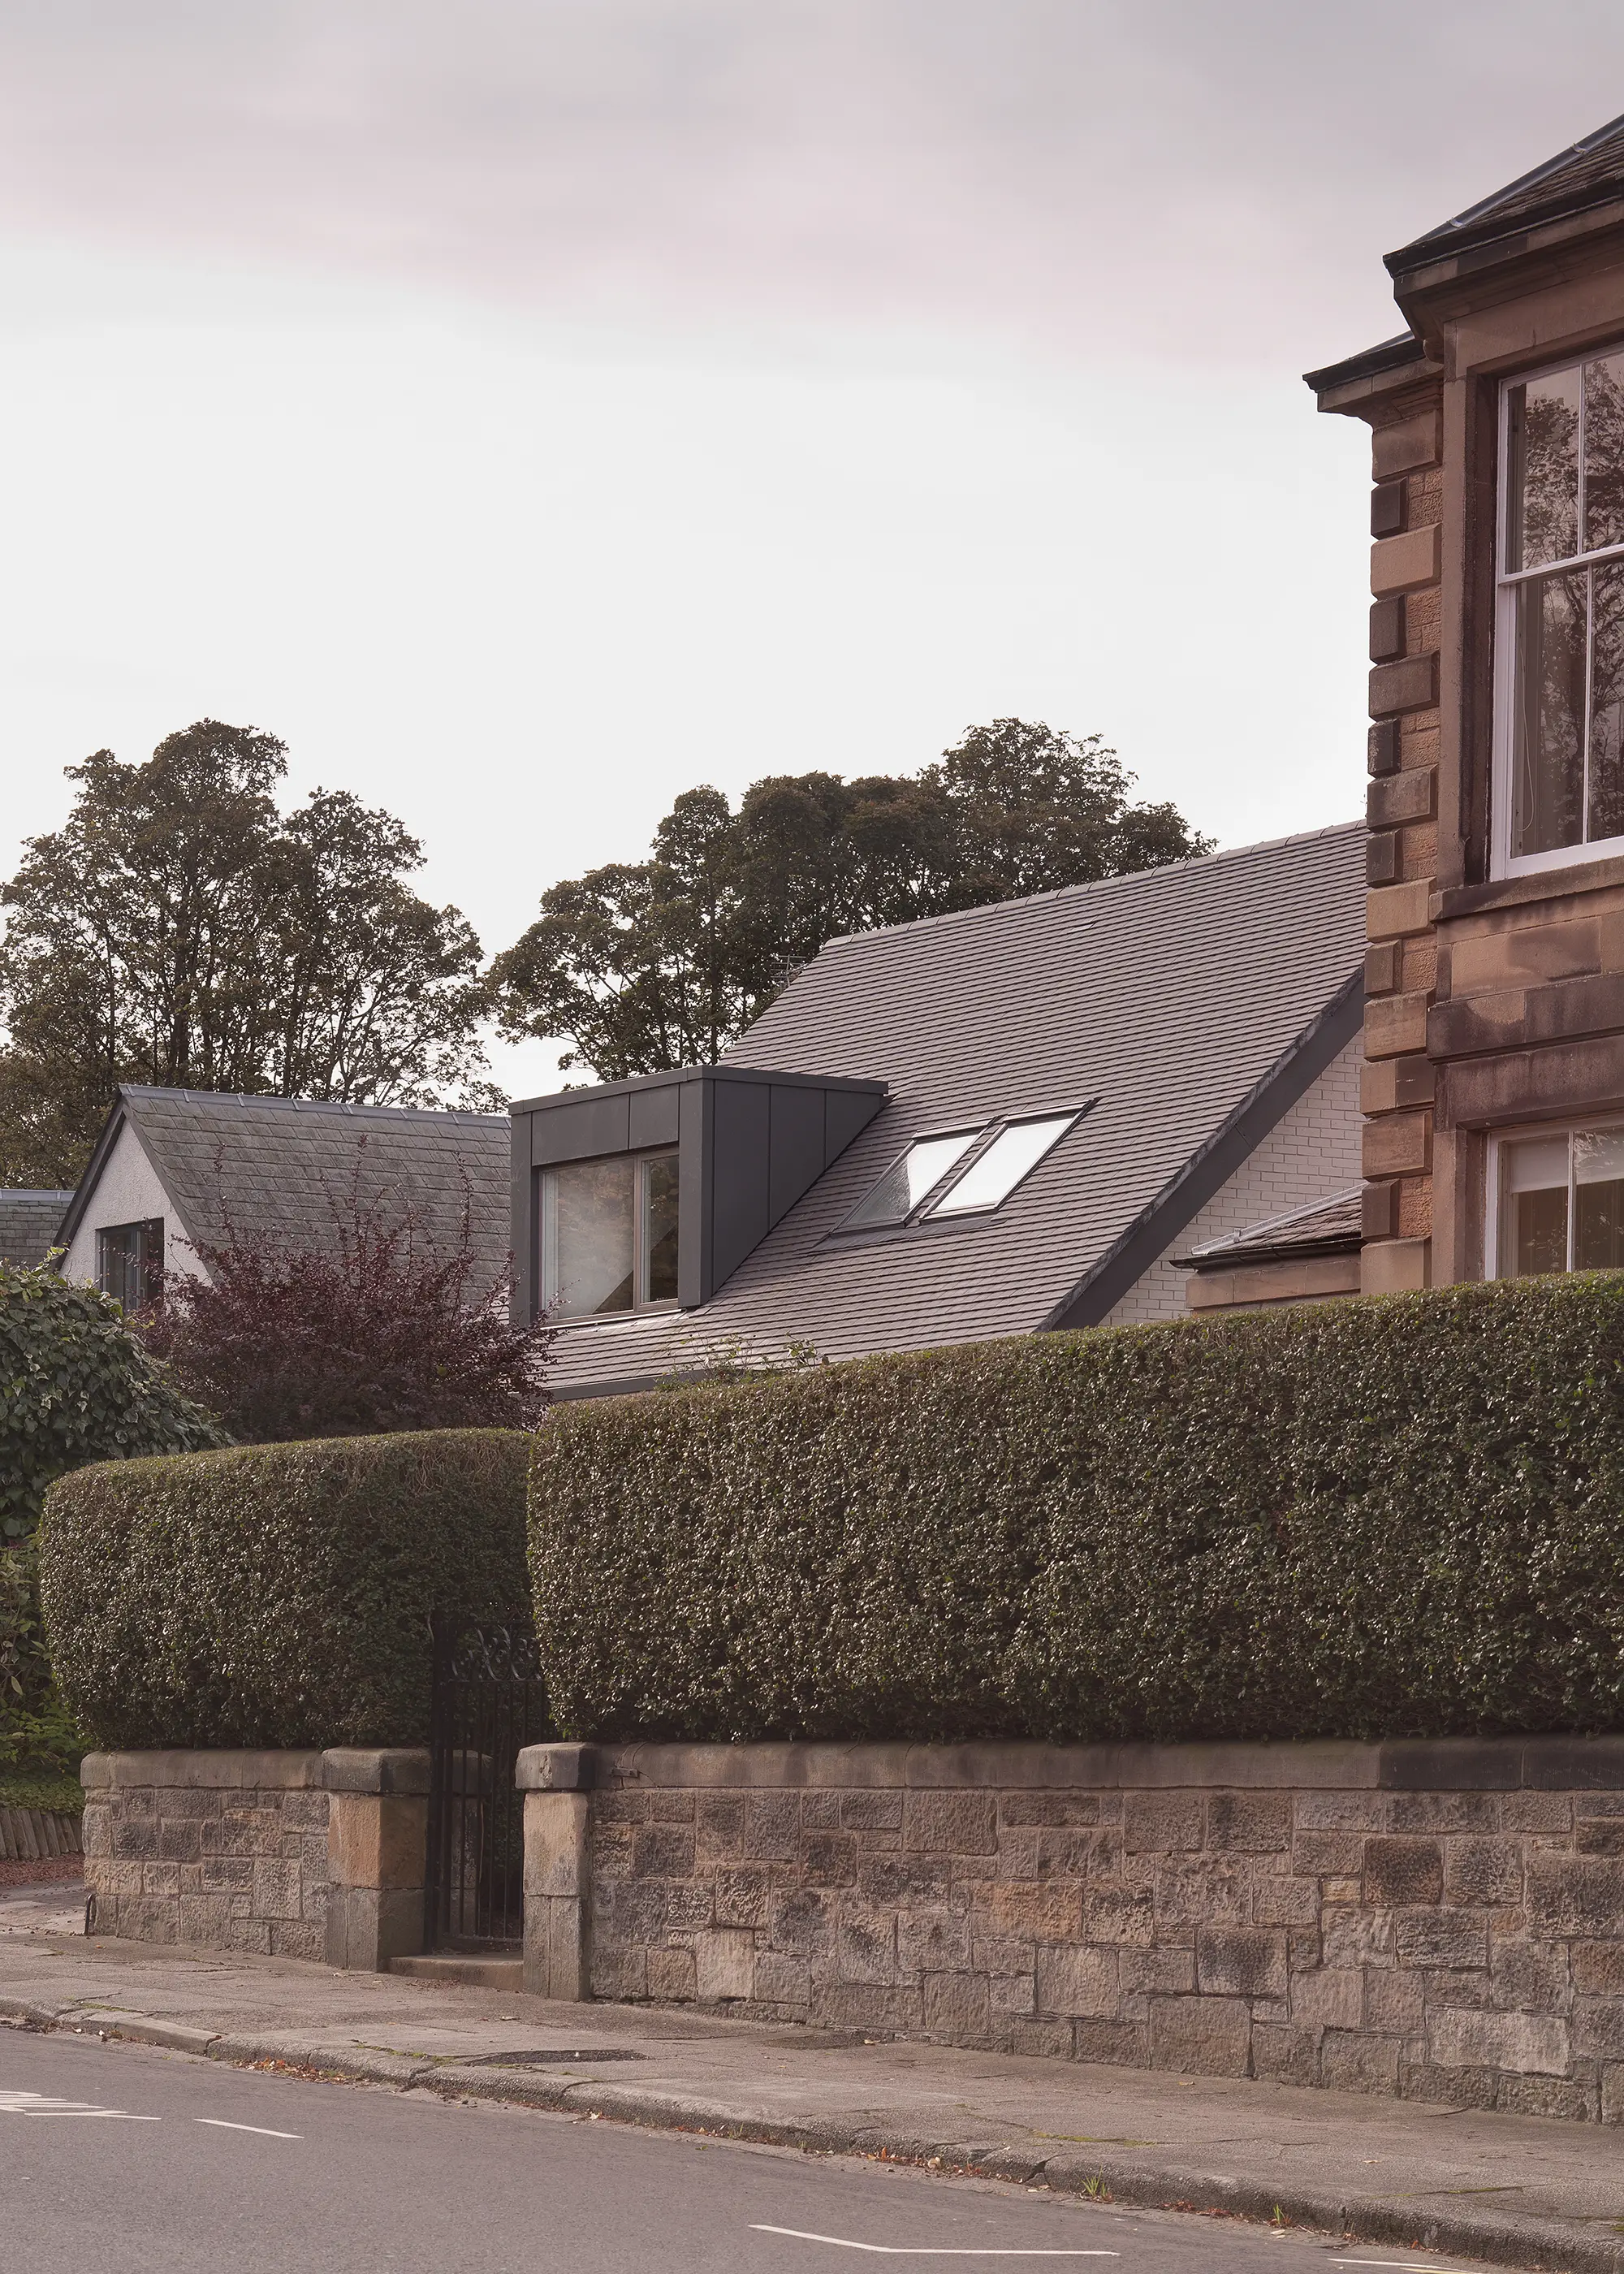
[[1213, 1162], [1475, 224], [1388, 356]]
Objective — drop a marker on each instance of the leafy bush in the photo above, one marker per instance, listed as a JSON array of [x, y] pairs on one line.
[[76, 1386], [1366, 1519], [381, 1327], [276, 1594]]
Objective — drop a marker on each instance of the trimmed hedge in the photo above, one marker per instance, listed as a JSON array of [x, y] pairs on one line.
[[1364, 1519], [276, 1594]]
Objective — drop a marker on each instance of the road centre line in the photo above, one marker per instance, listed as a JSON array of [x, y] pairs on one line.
[[223, 2124], [927, 2249]]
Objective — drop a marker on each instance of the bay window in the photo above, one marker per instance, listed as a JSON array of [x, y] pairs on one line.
[[1560, 617]]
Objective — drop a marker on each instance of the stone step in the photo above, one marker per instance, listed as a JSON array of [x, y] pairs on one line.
[[468, 1967]]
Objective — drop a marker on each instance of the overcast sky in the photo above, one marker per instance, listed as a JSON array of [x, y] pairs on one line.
[[529, 408]]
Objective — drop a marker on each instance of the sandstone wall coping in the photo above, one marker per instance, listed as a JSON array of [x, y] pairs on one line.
[[283, 1770], [1409, 1765], [397, 1769]]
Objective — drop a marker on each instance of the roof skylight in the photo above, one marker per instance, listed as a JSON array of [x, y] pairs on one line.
[[993, 1175], [909, 1178]]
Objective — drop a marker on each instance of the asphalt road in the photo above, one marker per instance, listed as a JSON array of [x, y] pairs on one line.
[[123, 2157]]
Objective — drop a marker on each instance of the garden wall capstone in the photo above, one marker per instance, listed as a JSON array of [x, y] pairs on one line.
[[295, 1853], [1442, 1921]]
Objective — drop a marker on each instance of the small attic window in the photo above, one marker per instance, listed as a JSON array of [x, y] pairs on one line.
[[993, 1175], [909, 1178]]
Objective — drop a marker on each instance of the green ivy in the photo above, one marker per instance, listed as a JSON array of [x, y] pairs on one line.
[[276, 1594], [1364, 1519]]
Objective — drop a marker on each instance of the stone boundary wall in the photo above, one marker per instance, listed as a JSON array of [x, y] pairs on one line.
[[293, 1854], [1443, 1922]]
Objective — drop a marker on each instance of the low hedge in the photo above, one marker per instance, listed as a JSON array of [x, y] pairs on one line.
[[275, 1594], [1364, 1519]]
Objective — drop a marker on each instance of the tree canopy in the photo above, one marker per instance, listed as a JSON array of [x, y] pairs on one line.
[[179, 930], [640, 967]]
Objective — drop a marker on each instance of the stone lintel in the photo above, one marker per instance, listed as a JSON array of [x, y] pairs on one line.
[[270, 1771]]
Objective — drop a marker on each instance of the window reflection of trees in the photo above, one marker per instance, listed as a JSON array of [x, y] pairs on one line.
[[1569, 719]]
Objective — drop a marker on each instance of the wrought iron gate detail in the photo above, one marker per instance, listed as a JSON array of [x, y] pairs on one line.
[[488, 1702]]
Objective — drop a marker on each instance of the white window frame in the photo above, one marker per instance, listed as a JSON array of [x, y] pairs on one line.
[[940, 1209], [1494, 1197], [641, 1305], [1502, 861]]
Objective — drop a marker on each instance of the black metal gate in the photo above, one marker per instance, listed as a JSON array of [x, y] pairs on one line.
[[488, 1702]]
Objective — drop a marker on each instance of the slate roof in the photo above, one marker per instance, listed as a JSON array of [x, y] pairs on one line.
[[1186, 1007], [285, 1164], [1328, 1227], [28, 1222], [1589, 172]]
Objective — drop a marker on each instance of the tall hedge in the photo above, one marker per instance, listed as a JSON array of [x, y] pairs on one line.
[[1364, 1519], [276, 1594]]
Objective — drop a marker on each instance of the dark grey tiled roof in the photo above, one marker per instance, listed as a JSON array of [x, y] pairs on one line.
[[284, 1165], [1587, 173], [1166, 997], [28, 1224], [1329, 1227]]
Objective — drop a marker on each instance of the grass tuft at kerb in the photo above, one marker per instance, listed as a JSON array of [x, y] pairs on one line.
[[1364, 1519]]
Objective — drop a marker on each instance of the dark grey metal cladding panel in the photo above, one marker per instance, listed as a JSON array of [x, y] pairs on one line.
[[847, 1114], [796, 1158], [695, 1144], [654, 1116], [521, 1231], [740, 1218], [581, 1129]]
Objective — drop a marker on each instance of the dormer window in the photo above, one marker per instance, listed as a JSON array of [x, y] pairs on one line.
[[609, 1235], [1559, 633]]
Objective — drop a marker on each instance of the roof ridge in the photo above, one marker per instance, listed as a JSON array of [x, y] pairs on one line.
[[340, 1107], [1102, 883]]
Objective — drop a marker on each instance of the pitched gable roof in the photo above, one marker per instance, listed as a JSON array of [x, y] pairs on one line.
[[1589, 172], [283, 1165], [28, 1224], [1185, 1006]]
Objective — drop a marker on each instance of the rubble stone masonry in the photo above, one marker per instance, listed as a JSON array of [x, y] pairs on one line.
[[222, 1848], [1443, 1922]]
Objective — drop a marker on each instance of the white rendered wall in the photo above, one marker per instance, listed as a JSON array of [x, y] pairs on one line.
[[1311, 1152], [127, 1192]]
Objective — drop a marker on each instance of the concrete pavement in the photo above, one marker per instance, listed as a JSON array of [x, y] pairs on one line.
[[1521, 2191]]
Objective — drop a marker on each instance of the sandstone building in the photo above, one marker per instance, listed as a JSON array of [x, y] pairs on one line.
[[1494, 1079]]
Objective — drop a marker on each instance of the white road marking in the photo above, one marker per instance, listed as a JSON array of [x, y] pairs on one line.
[[41, 2104], [264, 2130], [1403, 2265], [926, 2249]]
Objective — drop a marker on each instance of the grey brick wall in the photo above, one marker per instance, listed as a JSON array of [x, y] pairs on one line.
[[1454, 1943], [209, 1848]]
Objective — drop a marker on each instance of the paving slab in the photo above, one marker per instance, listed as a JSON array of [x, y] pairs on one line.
[[1519, 2191]]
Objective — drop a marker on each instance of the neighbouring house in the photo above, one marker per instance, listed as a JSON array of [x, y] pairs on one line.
[[175, 1170], [29, 1222], [1049, 1112], [1493, 1086]]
